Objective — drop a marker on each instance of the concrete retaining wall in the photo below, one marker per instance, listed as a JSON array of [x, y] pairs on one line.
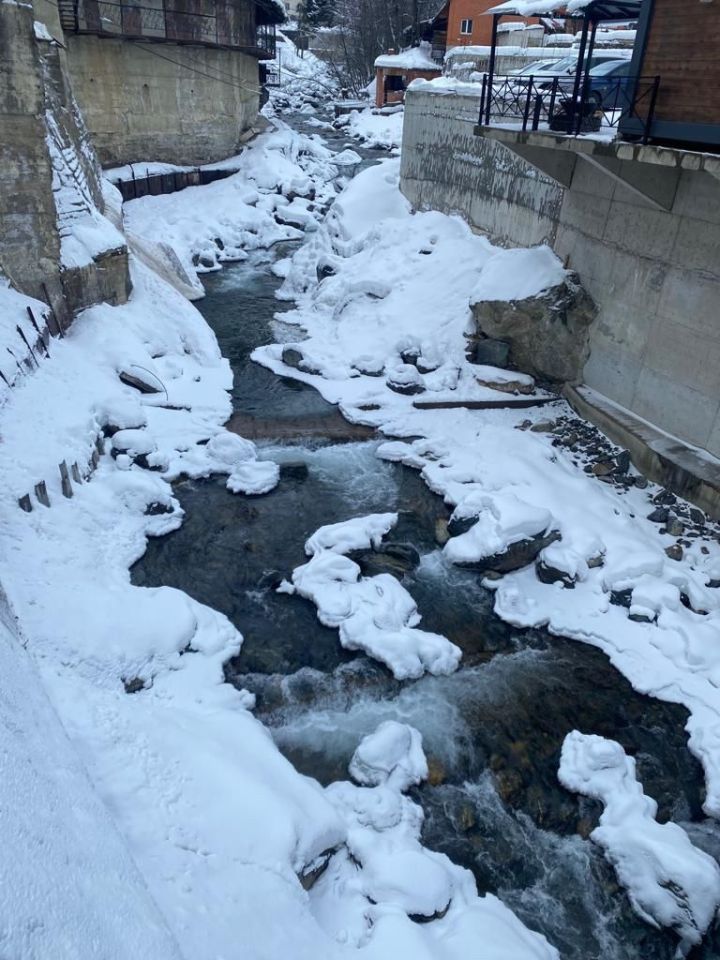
[[654, 275], [179, 104]]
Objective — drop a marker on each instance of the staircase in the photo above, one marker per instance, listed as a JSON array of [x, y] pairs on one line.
[[68, 15]]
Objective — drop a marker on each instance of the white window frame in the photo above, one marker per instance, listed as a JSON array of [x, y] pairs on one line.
[[466, 27]]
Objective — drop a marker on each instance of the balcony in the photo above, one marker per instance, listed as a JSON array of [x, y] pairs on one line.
[[200, 22], [573, 106]]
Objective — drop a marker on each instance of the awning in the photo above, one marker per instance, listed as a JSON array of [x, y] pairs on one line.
[[597, 10]]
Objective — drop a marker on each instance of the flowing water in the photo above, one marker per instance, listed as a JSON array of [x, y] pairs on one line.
[[492, 731]]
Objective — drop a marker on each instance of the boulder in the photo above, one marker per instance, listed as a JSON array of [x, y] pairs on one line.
[[405, 379], [548, 335], [394, 558], [292, 357], [517, 555]]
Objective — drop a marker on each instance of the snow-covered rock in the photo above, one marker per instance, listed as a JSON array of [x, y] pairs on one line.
[[670, 882]]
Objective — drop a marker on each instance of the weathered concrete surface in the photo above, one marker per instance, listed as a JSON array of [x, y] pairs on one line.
[[29, 243], [548, 335], [49, 174], [654, 274], [662, 458], [178, 104]]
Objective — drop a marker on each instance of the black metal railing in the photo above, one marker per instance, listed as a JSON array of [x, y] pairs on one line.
[[548, 102], [160, 20]]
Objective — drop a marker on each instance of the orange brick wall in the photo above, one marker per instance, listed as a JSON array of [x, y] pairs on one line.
[[482, 25]]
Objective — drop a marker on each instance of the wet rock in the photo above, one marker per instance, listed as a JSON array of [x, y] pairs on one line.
[[641, 482], [521, 384], [424, 365], [294, 471], [370, 368], [621, 598], [597, 561], [206, 260], [437, 773], [675, 552], [697, 516], [324, 270], [292, 357], [547, 334], [604, 468], [442, 534], [665, 498], [139, 382], [549, 574], [410, 355], [405, 380], [270, 580], [659, 515], [133, 684], [311, 874], [438, 915], [622, 462], [456, 526], [543, 426], [219, 243], [156, 509], [675, 527], [517, 555], [394, 558], [489, 351]]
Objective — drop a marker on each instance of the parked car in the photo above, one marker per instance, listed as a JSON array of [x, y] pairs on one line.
[[534, 68]]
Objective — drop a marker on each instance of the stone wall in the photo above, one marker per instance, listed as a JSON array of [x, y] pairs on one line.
[[162, 101], [654, 274]]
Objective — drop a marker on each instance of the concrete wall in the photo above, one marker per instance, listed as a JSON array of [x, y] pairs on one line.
[[654, 275], [179, 104], [29, 242]]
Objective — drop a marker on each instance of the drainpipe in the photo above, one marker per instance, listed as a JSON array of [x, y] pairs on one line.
[[491, 68]]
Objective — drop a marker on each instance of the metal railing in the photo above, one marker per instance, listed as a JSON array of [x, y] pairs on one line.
[[160, 20], [534, 102]]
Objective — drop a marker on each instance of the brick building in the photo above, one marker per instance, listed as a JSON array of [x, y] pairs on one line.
[[463, 22]]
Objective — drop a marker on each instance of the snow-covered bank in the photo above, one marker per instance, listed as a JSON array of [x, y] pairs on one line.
[[395, 291], [220, 826]]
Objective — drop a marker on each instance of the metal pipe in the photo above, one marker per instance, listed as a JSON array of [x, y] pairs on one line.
[[578, 75], [491, 66]]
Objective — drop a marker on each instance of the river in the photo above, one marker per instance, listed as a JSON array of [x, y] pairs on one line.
[[492, 731]]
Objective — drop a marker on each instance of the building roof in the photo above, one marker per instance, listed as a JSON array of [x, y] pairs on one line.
[[415, 58], [598, 10]]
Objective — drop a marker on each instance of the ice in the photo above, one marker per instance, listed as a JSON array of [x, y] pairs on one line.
[[670, 882]]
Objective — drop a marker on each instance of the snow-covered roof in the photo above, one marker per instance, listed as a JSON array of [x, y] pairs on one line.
[[415, 58], [601, 9]]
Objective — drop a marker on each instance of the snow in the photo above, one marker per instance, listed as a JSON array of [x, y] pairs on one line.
[[414, 58], [502, 519], [41, 31], [375, 129], [189, 821], [374, 614], [517, 274], [63, 861], [402, 283], [670, 882], [249, 210], [384, 875]]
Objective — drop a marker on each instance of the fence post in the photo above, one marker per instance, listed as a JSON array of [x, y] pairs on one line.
[[482, 99], [526, 111]]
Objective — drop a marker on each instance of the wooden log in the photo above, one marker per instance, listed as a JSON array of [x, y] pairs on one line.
[[25, 503], [65, 480], [42, 494]]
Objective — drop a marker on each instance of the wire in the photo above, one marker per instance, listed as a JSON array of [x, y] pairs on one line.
[[201, 73]]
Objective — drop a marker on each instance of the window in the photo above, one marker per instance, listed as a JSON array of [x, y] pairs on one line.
[[466, 27]]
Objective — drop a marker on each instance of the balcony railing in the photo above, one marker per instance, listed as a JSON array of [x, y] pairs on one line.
[[161, 20], [548, 103]]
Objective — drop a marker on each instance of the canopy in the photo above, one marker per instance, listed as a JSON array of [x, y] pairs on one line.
[[597, 10]]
